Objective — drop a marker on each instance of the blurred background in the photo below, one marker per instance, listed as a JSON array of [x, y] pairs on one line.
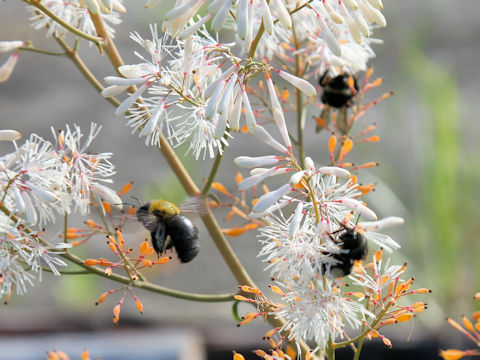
[[429, 174]]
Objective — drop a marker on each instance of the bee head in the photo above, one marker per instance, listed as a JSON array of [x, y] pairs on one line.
[[163, 208]]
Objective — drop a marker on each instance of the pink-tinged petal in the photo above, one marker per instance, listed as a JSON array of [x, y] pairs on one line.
[[120, 81], [7, 68], [268, 199], [359, 207], [9, 135]]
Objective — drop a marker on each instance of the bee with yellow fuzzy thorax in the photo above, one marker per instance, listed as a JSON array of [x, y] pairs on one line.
[[169, 228]]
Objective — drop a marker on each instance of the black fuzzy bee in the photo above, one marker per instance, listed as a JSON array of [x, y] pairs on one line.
[[353, 247], [338, 95], [170, 228]]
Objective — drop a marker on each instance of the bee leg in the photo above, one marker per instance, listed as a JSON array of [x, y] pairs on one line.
[[325, 116], [342, 120], [159, 235]]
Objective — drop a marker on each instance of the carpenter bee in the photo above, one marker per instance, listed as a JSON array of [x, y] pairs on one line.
[[336, 94], [170, 228], [353, 246]]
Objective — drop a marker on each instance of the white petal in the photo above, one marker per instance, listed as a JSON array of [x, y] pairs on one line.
[[296, 178], [278, 113], [266, 200], [283, 15], [254, 180], [382, 223], [213, 102], [333, 170], [249, 116], [263, 135], [6, 46], [377, 4], [125, 105], [9, 135], [120, 81], [251, 162], [221, 16], [299, 83], [44, 194], [267, 17], [328, 36], [297, 218], [130, 71], [242, 19], [107, 194], [113, 90]]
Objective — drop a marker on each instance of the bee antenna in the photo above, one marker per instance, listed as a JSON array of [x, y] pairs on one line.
[[358, 218], [138, 201]]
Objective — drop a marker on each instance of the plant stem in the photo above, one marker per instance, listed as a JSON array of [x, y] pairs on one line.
[[40, 51], [301, 108], [119, 278], [43, 9], [78, 62], [213, 171], [230, 258], [330, 350]]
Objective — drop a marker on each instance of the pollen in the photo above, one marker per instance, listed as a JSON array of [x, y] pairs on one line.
[[219, 187]]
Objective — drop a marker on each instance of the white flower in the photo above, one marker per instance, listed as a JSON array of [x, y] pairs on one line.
[[182, 90], [34, 180], [22, 258], [84, 170], [327, 45], [74, 13], [295, 247], [318, 313]]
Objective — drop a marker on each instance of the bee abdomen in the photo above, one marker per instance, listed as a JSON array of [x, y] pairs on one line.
[[184, 236]]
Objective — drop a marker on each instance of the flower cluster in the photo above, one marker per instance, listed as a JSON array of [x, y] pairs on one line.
[[76, 13], [40, 179]]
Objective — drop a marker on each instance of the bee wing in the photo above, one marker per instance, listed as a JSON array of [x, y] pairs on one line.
[[148, 220], [194, 205], [382, 240]]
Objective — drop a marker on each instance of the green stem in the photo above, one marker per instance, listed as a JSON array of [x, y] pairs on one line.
[[301, 108], [46, 11], [213, 171], [229, 256], [119, 278], [78, 62], [40, 51], [330, 350]]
